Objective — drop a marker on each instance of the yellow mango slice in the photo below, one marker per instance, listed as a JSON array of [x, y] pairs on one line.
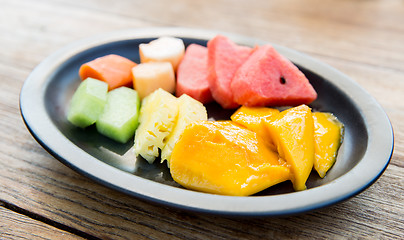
[[252, 118], [327, 140], [224, 158], [189, 110], [292, 131]]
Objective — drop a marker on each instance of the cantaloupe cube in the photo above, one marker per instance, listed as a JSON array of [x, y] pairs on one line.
[[189, 111], [87, 102], [119, 119], [163, 49], [157, 119], [148, 77], [112, 69]]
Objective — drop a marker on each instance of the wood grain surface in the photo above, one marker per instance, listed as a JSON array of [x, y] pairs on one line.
[[40, 198], [16, 225]]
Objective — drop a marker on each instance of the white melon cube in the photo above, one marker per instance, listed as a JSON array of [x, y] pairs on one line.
[[148, 77], [163, 49]]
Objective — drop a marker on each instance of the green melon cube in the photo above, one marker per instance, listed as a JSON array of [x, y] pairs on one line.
[[119, 119], [87, 102]]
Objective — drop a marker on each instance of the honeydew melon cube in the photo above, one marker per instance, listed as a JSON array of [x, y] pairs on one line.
[[119, 119], [189, 111], [157, 119], [87, 102], [148, 77]]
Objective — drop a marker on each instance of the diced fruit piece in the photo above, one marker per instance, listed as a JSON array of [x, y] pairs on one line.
[[189, 111], [224, 58], [223, 158], [163, 49], [119, 119], [269, 79], [328, 133], [148, 77], [192, 74], [292, 131], [112, 69], [87, 102], [157, 119], [252, 118]]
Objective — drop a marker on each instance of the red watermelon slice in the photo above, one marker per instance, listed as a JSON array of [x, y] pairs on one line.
[[192, 74], [269, 79], [224, 58]]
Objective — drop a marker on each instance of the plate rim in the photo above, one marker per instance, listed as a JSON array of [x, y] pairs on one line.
[[32, 109]]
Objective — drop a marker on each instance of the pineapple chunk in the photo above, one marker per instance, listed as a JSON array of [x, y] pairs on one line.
[[190, 110], [163, 49], [148, 77], [158, 116]]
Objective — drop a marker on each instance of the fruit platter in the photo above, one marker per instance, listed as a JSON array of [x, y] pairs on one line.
[[206, 121]]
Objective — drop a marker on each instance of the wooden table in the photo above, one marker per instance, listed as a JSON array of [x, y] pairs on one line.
[[42, 198]]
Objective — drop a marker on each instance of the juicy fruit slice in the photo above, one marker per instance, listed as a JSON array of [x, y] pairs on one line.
[[119, 119], [328, 133], [252, 118], [87, 102], [223, 158], [269, 79], [192, 74], [148, 77], [112, 69], [164, 49], [157, 119], [224, 58], [189, 110], [292, 131]]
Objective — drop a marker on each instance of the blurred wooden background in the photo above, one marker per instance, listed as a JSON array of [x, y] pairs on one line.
[[42, 198]]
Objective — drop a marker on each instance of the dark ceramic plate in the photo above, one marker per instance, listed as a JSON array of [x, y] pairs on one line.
[[362, 158]]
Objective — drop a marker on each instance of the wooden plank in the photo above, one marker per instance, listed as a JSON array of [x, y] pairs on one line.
[[315, 26], [77, 202], [360, 38], [17, 226]]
